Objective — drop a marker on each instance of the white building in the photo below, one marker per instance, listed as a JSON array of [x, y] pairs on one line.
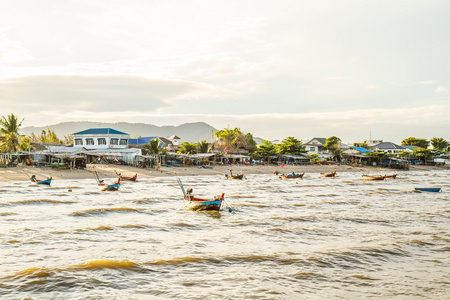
[[101, 138]]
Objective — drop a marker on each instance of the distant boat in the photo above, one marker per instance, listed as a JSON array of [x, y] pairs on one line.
[[194, 203], [231, 176], [47, 181], [329, 174], [123, 178], [393, 176], [368, 177], [435, 190], [291, 176]]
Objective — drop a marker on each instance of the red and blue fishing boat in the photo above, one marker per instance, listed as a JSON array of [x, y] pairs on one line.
[[435, 190], [109, 187], [194, 203], [291, 176], [106, 187], [47, 181]]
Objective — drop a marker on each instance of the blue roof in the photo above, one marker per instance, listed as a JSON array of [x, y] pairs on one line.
[[361, 149], [101, 131], [141, 140]]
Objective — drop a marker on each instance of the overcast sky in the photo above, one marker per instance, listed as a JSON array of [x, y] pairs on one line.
[[353, 69]]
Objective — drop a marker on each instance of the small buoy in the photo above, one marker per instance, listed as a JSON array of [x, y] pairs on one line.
[[69, 190], [229, 209]]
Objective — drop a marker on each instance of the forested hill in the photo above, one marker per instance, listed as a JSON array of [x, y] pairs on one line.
[[189, 132]]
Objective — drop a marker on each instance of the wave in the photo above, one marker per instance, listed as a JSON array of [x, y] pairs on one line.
[[99, 264], [7, 213], [100, 211], [36, 201], [99, 228]]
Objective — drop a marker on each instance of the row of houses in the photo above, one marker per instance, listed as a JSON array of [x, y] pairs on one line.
[[107, 145]]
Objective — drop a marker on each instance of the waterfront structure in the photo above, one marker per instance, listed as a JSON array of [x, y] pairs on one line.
[[101, 138]]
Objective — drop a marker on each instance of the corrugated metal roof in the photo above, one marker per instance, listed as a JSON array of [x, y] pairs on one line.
[[100, 131], [361, 149], [387, 145], [141, 140]]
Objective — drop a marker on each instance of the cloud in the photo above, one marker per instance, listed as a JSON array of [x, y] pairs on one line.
[[11, 51], [441, 89], [94, 93]]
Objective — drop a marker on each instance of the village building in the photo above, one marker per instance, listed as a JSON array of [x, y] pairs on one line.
[[315, 146], [389, 147], [101, 138]]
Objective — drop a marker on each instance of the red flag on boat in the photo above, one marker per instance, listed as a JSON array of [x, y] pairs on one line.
[[282, 165], [225, 150]]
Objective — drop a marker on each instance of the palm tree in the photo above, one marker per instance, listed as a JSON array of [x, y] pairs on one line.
[[9, 127], [203, 147], [153, 147]]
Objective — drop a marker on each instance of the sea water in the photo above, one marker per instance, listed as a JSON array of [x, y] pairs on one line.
[[310, 238]]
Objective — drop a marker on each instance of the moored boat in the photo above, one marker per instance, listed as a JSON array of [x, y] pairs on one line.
[[194, 203], [47, 181], [393, 176], [124, 178], [109, 187], [231, 176], [291, 176], [435, 190], [328, 174], [368, 177]]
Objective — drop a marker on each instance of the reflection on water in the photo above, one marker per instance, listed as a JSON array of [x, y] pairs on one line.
[[317, 237]]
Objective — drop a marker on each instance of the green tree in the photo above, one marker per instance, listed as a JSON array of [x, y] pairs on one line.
[[423, 154], [378, 155], [153, 147], [412, 141], [291, 145], [439, 143], [362, 145], [234, 139], [9, 127], [333, 144], [203, 147], [266, 149], [187, 148]]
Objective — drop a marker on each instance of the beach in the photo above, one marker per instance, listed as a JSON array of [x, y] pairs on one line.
[[107, 171]]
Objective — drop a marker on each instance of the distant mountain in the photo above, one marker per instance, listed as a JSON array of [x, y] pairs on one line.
[[189, 132]]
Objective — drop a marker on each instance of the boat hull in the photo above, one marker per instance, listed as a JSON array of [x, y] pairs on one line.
[[43, 182], [434, 190], [290, 176], [109, 187], [204, 204]]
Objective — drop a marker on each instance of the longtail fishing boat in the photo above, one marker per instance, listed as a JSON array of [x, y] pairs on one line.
[[393, 176], [231, 176], [102, 186], [291, 176], [368, 177], [435, 190], [124, 178], [194, 203], [328, 174], [34, 180]]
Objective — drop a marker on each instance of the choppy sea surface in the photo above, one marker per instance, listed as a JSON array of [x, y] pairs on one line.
[[311, 238]]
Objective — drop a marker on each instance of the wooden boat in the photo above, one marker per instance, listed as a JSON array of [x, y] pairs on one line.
[[368, 177], [393, 176], [231, 176], [123, 178], [194, 203], [106, 187], [47, 181], [291, 176], [328, 175], [435, 190], [109, 187]]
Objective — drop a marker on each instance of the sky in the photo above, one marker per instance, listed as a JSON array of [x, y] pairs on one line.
[[358, 70]]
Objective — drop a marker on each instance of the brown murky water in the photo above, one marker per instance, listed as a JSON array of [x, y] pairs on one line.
[[314, 238]]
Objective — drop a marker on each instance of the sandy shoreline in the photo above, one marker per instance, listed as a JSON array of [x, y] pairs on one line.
[[107, 171]]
